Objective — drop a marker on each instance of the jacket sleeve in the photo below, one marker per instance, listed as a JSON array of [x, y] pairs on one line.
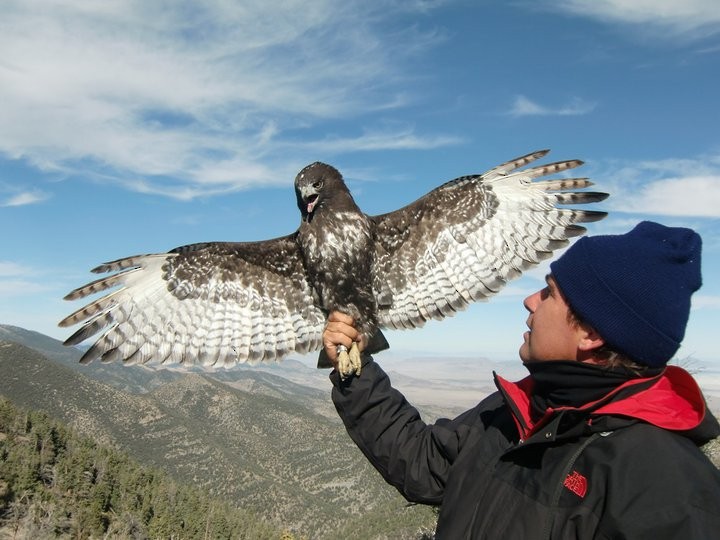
[[411, 455]]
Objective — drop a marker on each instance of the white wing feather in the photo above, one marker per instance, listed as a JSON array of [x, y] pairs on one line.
[[465, 240], [213, 317]]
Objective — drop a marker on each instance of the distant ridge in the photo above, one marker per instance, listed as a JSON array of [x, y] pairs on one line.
[[40, 342], [267, 444]]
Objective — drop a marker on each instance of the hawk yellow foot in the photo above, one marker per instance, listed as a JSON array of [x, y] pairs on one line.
[[349, 361]]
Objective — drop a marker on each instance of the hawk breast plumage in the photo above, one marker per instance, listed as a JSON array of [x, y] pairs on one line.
[[219, 303]]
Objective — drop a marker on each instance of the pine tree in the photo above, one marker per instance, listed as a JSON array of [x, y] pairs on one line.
[[53, 483]]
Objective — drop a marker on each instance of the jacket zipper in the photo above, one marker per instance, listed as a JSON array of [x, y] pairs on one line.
[[558, 490]]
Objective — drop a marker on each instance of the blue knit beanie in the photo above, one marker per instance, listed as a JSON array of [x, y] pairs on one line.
[[634, 289]]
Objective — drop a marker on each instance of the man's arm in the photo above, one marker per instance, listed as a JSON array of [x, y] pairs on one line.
[[411, 455]]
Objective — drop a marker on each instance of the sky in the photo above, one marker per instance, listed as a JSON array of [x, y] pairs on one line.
[[137, 126]]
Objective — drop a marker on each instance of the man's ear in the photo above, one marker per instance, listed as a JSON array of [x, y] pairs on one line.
[[590, 340]]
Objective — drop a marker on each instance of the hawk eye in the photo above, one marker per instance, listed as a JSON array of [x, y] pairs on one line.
[[317, 184]]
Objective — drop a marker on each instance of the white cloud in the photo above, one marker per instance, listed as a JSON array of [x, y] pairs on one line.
[[673, 187], [705, 302], [206, 94], [15, 280], [523, 106], [398, 138], [689, 196], [688, 18], [20, 287], [24, 198], [708, 50], [9, 268]]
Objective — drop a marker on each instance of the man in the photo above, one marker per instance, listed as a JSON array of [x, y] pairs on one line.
[[599, 441]]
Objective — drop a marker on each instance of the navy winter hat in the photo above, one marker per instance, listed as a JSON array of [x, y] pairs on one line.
[[634, 289]]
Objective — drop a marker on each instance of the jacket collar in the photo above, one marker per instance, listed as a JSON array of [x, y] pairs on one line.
[[670, 400]]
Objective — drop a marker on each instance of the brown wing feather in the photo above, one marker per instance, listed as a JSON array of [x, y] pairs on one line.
[[463, 241], [212, 304]]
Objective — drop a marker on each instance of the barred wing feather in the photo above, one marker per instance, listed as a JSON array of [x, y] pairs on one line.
[[465, 240], [214, 304]]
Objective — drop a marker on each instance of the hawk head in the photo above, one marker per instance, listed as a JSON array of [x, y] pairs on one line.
[[315, 186]]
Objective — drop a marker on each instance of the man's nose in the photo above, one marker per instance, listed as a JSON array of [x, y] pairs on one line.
[[530, 302]]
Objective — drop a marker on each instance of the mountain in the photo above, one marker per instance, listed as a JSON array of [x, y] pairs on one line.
[[267, 444], [437, 387], [57, 484], [45, 345], [136, 381]]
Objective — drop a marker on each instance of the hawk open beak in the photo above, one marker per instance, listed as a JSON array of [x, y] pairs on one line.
[[310, 197], [311, 201]]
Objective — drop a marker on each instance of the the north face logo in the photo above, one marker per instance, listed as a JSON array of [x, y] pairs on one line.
[[576, 483]]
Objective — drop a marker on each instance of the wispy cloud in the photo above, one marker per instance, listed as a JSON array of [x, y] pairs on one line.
[[683, 196], [397, 138], [24, 198], [706, 302], [708, 50], [186, 97], [16, 280], [671, 187], [9, 268], [523, 106], [20, 287], [691, 19]]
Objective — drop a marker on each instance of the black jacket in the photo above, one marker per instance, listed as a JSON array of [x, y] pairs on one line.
[[624, 466]]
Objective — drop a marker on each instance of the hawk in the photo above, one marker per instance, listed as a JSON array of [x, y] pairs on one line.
[[220, 303]]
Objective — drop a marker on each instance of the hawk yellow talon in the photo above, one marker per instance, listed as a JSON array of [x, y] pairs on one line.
[[355, 360], [349, 361]]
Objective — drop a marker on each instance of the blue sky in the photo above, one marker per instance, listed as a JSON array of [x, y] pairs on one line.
[[133, 127]]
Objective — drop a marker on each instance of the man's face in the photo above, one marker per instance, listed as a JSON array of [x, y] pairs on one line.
[[552, 334]]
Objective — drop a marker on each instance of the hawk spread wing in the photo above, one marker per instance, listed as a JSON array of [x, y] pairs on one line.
[[210, 304], [223, 303], [465, 240]]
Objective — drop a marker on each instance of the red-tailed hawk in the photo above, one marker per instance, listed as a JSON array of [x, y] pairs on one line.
[[218, 303]]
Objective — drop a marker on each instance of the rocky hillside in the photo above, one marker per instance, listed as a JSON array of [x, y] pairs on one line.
[[259, 442]]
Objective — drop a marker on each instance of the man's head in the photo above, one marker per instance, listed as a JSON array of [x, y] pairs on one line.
[[554, 331], [633, 289]]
